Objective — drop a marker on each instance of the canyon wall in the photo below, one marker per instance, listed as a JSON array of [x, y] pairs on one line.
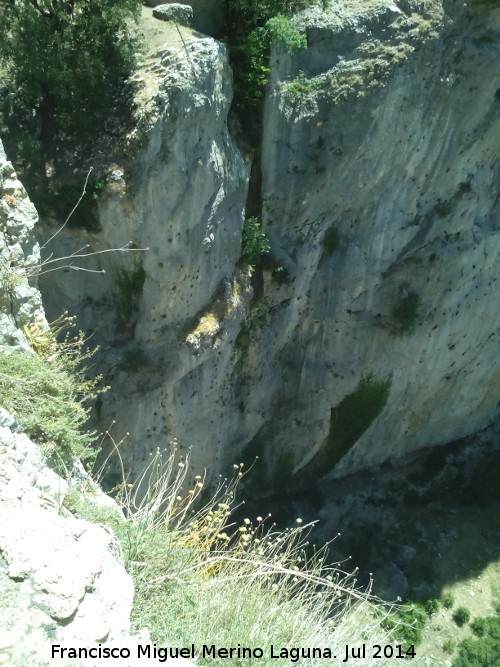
[[62, 579], [372, 329]]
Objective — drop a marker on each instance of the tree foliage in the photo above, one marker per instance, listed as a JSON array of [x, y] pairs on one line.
[[281, 30], [254, 243], [64, 64], [257, 12], [251, 26]]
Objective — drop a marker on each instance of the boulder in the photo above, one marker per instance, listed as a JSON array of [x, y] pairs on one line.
[[208, 15], [182, 14]]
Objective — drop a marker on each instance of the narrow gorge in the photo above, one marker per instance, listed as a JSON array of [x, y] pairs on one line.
[[294, 286], [379, 190]]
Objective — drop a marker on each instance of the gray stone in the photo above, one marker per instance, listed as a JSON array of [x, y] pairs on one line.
[[208, 15], [60, 579], [182, 14], [20, 301]]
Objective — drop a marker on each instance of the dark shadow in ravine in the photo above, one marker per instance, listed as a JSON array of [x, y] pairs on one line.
[[418, 524]]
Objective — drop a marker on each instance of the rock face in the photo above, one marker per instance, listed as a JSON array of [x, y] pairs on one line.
[[378, 334], [20, 301], [380, 194], [60, 581], [169, 316]]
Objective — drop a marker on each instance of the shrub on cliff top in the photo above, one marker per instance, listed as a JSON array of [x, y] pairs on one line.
[[65, 64], [482, 652]]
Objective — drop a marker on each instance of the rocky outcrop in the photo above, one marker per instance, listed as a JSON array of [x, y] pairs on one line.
[[20, 301], [168, 316], [183, 14], [208, 15], [374, 331], [62, 579]]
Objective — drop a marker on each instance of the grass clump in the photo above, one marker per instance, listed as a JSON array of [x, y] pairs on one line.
[[449, 646], [431, 606], [479, 627], [202, 579], [331, 241], [281, 276], [461, 616], [412, 618], [130, 283], [301, 86], [46, 390], [448, 600]]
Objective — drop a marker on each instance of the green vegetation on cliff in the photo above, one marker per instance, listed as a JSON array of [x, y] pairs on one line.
[[45, 390], [251, 27], [405, 312], [64, 68], [254, 243], [354, 414]]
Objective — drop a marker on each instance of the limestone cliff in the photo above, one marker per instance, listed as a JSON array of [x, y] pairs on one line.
[[375, 330], [380, 186]]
